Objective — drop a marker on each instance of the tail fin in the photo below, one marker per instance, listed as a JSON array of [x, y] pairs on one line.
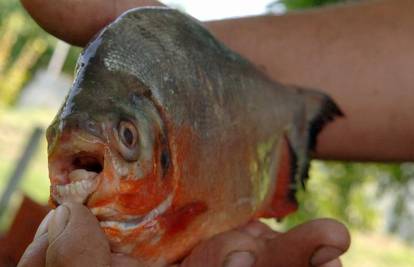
[[314, 111]]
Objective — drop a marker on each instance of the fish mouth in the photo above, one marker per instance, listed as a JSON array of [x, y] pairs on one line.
[[76, 178], [79, 173], [132, 223]]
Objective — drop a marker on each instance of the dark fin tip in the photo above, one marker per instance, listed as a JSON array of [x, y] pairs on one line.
[[294, 168], [327, 113], [304, 174]]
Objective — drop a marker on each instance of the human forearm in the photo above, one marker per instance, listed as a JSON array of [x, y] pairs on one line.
[[361, 55]]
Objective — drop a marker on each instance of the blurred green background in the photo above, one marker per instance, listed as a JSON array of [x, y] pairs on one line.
[[374, 200]]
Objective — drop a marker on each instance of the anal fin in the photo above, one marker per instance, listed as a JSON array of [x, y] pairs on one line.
[[283, 201]]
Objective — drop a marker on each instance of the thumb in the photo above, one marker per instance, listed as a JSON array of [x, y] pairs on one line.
[[76, 239], [315, 243], [216, 250]]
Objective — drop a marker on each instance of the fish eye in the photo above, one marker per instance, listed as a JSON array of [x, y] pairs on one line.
[[127, 136]]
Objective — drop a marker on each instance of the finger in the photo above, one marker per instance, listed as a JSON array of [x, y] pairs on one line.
[[35, 253], [76, 239], [234, 247], [314, 243], [76, 21]]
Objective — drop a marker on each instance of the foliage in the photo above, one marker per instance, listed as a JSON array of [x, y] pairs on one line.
[[302, 4], [13, 76], [377, 250], [345, 191], [22, 43], [24, 48]]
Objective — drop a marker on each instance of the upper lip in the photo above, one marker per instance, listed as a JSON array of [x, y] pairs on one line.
[[73, 150], [88, 161]]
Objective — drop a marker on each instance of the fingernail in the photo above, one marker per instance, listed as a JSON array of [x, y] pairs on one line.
[[325, 254], [239, 259], [58, 222], [42, 229]]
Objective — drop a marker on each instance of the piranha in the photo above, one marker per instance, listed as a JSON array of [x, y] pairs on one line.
[[169, 137]]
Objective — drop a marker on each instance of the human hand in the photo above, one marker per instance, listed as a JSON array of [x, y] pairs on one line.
[[315, 243], [71, 236]]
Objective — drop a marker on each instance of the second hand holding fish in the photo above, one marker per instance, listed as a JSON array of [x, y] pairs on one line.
[[71, 236]]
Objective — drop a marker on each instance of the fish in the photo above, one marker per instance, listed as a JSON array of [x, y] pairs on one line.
[[169, 137]]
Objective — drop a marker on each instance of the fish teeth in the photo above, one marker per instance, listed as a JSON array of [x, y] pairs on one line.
[[81, 174], [75, 192]]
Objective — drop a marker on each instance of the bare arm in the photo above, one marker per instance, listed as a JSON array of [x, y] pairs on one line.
[[362, 55], [359, 54]]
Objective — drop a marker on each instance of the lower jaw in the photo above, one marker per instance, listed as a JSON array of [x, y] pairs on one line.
[[138, 222], [125, 235], [127, 242]]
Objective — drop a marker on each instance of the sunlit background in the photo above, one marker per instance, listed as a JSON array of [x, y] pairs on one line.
[[375, 200]]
